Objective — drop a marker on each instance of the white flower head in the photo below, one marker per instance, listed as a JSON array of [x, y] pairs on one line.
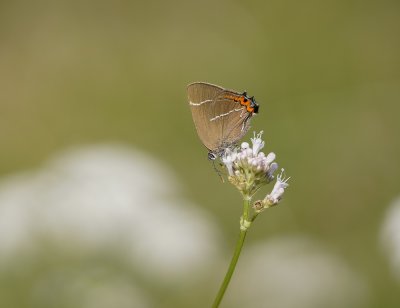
[[248, 168], [245, 145], [279, 188], [258, 143], [270, 157], [272, 168], [228, 159]]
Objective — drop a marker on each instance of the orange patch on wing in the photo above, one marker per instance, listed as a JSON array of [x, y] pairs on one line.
[[242, 100]]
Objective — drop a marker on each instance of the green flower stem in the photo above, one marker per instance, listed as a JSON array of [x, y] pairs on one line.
[[254, 216], [246, 207], [235, 257]]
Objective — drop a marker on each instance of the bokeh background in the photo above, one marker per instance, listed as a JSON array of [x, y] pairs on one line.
[[107, 198]]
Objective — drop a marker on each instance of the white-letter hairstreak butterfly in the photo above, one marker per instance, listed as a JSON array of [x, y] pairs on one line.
[[221, 116]]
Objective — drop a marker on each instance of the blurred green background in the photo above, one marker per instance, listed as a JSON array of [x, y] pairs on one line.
[[325, 73]]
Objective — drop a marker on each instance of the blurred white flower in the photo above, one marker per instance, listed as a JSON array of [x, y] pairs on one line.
[[90, 288], [295, 272], [109, 199], [390, 236]]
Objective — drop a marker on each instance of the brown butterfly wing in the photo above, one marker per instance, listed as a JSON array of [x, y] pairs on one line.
[[202, 101], [233, 118], [219, 121]]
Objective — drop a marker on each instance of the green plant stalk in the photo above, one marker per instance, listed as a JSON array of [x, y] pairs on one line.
[[235, 257]]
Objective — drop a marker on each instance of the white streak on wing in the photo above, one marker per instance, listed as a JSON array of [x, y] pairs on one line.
[[243, 126], [225, 114], [201, 103]]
